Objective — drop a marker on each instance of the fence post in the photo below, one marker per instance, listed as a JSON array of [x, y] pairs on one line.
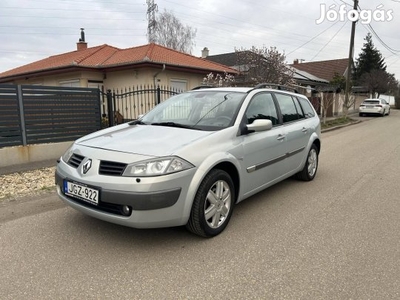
[[158, 94], [21, 114], [110, 108]]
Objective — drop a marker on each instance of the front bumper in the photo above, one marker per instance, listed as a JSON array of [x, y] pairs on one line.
[[136, 201], [162, 201]]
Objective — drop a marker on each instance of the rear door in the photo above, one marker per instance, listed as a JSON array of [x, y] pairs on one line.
[[296, 129]]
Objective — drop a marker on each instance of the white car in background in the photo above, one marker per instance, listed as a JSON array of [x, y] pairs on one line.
[[192, 158], [374, 107]]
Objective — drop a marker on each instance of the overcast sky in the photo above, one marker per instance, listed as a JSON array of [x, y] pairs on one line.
[[33, 30]]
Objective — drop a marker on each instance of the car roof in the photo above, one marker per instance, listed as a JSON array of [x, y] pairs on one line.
[[241, 89]]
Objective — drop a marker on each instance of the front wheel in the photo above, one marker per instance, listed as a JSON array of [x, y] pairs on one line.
[[310, 168], [213, 204]]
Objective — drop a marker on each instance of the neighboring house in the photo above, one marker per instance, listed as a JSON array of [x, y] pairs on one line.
[[109, 67], [306, 83], [302, 78], [325, 69]]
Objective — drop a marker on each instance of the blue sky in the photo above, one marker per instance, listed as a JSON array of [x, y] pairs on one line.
[[33, 30]]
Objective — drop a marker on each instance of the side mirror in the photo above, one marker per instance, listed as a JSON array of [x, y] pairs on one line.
[[259, 125]]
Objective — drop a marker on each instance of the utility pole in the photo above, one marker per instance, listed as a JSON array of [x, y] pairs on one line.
[[151, 9], [350, 64]]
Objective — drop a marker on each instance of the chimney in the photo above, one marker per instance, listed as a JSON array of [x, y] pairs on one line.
[[296, 61], [205, 52], [81, 45]]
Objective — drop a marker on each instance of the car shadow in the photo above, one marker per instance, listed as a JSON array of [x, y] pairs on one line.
[[100, 232]]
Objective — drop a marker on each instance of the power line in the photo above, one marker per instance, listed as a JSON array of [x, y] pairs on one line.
[[309, 41], [330, 40]]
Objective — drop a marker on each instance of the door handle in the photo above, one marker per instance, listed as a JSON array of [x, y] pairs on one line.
[[304, 130], [280, 137]]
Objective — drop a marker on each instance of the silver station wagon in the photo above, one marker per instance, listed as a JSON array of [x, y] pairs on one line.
[[192, 158]]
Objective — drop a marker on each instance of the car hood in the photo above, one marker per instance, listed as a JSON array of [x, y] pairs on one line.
[[143, 139]]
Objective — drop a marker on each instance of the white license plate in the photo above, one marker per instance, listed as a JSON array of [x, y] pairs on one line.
[[82, 192]]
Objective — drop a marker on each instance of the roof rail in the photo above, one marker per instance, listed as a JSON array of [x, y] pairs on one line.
[[202, 87], [275, 86]]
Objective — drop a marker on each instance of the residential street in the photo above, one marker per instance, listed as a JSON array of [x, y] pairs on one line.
[[337, 237]]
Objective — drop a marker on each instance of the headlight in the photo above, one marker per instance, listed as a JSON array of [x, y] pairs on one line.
[[67, 155], [156, 167]]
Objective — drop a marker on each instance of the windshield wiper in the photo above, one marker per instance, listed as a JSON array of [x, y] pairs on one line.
[[137, 122], [172, 124]]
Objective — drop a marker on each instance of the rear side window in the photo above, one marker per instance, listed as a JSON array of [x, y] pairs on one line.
[[288, 108], [298, 108], [307, 108]]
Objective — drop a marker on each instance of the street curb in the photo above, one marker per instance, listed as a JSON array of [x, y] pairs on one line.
[[340, 126]]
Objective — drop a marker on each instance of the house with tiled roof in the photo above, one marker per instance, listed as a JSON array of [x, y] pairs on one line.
[[302, 77], [325, 69], [312, 78], [113, 68]]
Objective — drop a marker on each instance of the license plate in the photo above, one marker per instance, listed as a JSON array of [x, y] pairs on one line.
[[81, 191]]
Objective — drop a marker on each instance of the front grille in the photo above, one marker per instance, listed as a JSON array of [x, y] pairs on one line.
[[75, 160], [111, 168]]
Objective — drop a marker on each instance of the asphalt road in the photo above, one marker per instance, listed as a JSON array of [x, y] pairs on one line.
[[337, 237]]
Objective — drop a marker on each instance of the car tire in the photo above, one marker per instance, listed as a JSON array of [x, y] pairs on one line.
[[213, 204], [311, 166]]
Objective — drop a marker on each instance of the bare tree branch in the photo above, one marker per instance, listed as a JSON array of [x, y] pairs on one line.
[[171, 33]]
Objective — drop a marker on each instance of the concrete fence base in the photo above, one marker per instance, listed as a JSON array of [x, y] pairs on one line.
[[17, 155]]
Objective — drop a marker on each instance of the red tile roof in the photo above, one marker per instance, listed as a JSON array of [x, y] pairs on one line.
[[105, 56], [324, 69]]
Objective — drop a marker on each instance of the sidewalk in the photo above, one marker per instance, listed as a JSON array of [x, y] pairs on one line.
[[27, 167]]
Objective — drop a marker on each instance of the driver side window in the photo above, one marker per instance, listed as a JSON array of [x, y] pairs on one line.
[[262, 106]]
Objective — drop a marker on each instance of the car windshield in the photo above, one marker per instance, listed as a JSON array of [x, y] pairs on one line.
[[200, 110]]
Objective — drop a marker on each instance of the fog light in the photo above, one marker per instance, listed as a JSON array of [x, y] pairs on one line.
[[126, 210]]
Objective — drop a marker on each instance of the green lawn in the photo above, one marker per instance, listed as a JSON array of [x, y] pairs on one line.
[[336, 122]]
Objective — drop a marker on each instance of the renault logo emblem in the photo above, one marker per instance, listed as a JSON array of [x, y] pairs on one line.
[[86, 166]]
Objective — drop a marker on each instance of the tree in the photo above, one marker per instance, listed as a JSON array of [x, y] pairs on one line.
[[369, 59], [171, 33], [378, 82], [218, 80], [338, 84], [263, 65]]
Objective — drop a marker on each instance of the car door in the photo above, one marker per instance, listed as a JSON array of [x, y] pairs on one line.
[[263, 152], [296, 129]]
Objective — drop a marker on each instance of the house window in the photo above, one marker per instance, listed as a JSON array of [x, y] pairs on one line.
[[179, 84], [70, 83]]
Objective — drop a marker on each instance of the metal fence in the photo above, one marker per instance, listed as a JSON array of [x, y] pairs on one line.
[[31, 114], [128, 103], [38, 114]]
